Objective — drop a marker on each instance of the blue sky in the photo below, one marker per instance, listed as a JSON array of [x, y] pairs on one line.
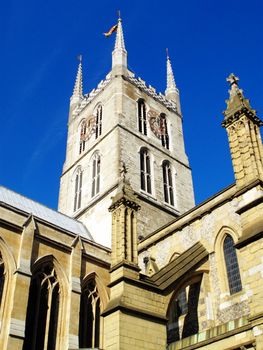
[[40, 40]]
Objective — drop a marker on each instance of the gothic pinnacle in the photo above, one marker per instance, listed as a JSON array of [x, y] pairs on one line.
[[171, 86], [78, 92], [171, 92], [119, 54]]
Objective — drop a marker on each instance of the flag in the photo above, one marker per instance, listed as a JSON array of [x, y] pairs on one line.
[[112, 30]]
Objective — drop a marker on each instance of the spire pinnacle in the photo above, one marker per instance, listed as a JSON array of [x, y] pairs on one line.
[[171, 92], [171, 86], [236, 99], [77, 92], [119, 54]]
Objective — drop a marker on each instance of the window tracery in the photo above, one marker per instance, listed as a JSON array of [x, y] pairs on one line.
[[89, 329], [183, 313], [42, 311], [2, 278], [232, 268]]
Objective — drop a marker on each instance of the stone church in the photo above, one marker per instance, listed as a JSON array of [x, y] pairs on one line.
[[128, 262]]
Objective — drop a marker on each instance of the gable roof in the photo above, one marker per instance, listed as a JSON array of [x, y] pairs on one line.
[[40, 211], [177, 268]]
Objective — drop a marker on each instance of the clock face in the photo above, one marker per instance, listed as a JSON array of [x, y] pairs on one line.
[[88, 128], [155, 122]]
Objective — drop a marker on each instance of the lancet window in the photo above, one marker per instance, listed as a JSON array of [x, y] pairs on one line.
[[95, 188], [164, 131], [89, 325], [42, 310], [183, 313], [83, 132], [145, 168], [168, 183], [98, 129], [2, 279], [142, 124], [232, 268], [78, 189]]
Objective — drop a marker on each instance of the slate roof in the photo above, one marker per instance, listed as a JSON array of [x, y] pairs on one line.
[[40, 211], [177, 268]]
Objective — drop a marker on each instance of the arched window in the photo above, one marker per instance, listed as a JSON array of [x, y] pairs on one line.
[[89, 323], [233, 274], [183, 313], [78, 188], [142, 124], [83, 131], [42, 310], [164, 131], [168, 183], [145, 166], [98, 128], [2, 278], [95, 175]]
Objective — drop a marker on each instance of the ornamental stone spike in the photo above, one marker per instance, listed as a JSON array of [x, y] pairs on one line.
[[119, 54], [171, 92], [78, 92]]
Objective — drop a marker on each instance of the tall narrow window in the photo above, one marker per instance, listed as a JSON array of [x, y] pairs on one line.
[[168, 183], [233, 274], [164, 131], [183, 313], [42, 310], [145, 165], [95, 175], [98, 129], [78, 189], [142, 124], [83, 131], [2, 278], [89, 325]]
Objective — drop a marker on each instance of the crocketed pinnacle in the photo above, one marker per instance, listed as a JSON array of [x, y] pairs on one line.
[[171, 86], [119, 42], [78, 89], [119, 54], [236, 101]]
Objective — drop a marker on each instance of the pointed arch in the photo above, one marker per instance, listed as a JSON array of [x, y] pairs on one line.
[[95, 162], [168, 190], [164, 131], [141, 112], [82, 135], [77, 183], [98, 124], [182, 310], [7, 268], [145, 170], [47, 305], [227, 260], [93, 301]]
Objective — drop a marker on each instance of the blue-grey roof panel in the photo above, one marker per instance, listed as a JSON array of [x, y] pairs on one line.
[[42, 212]]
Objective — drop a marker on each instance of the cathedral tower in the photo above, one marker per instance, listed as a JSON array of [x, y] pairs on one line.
[[125, 124]]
